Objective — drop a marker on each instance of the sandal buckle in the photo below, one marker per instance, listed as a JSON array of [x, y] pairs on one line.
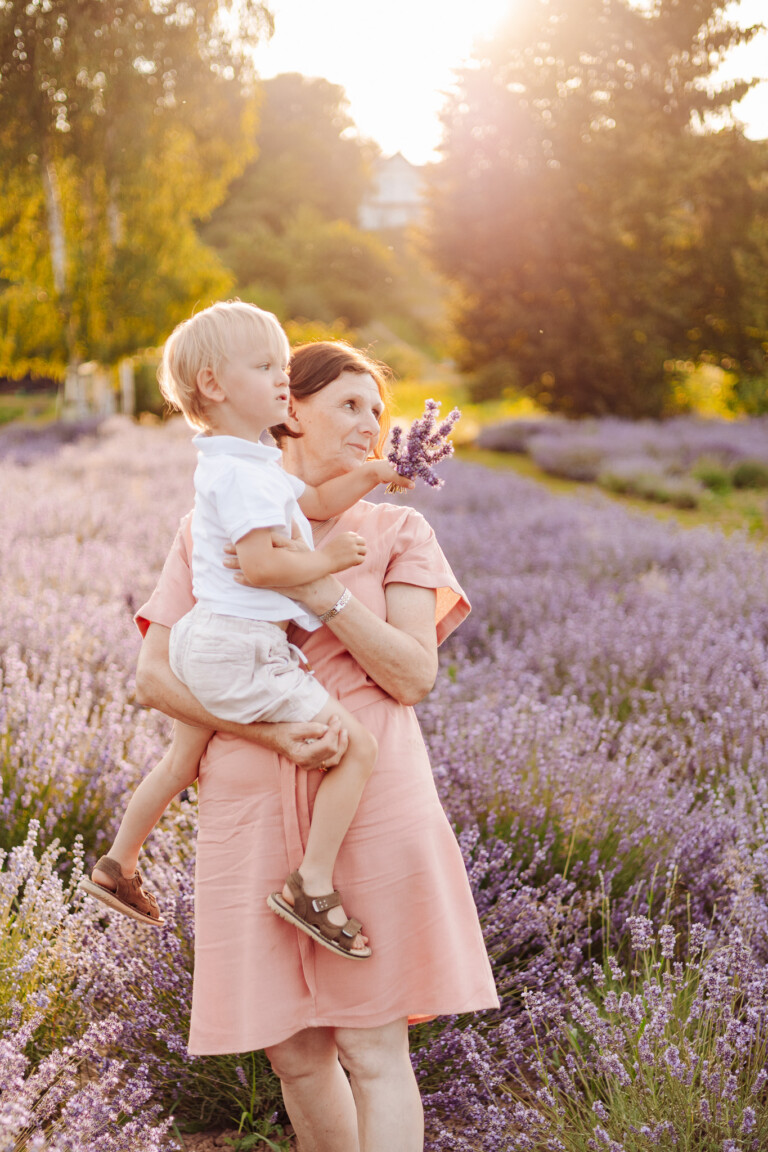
[[321, 904]]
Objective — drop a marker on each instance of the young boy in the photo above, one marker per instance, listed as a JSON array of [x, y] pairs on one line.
[[225, 369]]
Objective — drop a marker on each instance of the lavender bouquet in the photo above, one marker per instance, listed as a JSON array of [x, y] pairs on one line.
[[425, 445]]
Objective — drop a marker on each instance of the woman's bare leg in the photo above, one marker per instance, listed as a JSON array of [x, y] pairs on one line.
[[316, 1092], [176, 771], [335, 805], [389, 1109]]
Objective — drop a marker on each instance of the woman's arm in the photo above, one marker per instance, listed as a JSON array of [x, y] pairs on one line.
[[307, 745], [399, 653]]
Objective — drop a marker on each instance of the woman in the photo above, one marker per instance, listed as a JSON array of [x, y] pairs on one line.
[[259, 983]]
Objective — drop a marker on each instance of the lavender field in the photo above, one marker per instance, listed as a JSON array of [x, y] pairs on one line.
[[678, 461], [599, 738]]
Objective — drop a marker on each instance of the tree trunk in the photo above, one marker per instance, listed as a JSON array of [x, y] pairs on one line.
[[55, 222], [58, 243]]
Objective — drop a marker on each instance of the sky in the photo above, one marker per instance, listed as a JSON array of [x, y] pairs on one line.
[[396, 59]]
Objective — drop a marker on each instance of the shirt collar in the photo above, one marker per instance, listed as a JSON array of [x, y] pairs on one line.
[[235, 446]]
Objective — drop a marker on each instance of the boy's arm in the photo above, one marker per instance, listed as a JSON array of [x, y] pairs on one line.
[[267, 566], [335, 496]]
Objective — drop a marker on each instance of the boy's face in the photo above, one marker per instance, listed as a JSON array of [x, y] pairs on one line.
[[255, 382]]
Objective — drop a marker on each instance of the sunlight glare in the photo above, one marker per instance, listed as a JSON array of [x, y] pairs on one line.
[[395, 59]]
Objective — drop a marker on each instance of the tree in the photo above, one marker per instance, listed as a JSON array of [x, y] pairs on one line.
[[119, 126], [569, 207], [308, 157], [287, 227]]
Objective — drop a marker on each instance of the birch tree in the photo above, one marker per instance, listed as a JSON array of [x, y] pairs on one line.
[[121, 125]]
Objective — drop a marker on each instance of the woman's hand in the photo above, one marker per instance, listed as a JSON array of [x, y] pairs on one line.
[[311, 745]]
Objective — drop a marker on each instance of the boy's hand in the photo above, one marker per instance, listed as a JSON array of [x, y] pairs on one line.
[[279, 540], [384, 473], [345, 551]]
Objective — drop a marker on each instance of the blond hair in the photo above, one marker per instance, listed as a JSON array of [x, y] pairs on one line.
[[205, 341]]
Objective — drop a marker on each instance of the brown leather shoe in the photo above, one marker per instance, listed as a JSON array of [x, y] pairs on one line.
[[310, 914], [128, 896]]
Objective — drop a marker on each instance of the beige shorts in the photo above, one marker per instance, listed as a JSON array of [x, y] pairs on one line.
[[243, 670]]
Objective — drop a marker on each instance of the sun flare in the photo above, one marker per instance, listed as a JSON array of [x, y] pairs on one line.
[[397, 59], [394, 59]]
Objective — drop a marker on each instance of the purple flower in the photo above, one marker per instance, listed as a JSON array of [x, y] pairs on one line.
[[641, 929], [667, 936], [426, 445], [748, 1119]]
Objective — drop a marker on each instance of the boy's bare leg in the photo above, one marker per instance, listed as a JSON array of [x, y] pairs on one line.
[[335, 805], [176, 771]]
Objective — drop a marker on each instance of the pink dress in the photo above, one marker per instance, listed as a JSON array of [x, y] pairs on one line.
[[257, 979]]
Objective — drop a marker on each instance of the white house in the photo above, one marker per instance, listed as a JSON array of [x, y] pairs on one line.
[[396, 199]]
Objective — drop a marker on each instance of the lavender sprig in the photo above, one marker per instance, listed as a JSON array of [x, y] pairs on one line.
[[425, 445]]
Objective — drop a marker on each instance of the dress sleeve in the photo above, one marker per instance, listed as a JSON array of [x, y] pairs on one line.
[[418, 559], [172, 597]]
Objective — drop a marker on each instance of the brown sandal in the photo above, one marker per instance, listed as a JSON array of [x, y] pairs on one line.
[[310, 914], [128, 897]]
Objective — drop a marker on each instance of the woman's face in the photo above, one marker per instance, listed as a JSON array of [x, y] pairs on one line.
[[339, 426]]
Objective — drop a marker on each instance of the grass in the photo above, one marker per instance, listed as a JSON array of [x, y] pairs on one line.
[[734, 511], [33, 408]]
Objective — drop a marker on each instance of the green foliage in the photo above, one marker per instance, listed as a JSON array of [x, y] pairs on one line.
[[287, 227], [646, 1056], [751, 395], [493, 380], [307, 158], [9, 412], [712, 474], [326, 270], [594, 237], [405, 361], [260, 1139], [678, 491], [36, 947], [307, 331], [118, 129], [146, 388], [750, 474]]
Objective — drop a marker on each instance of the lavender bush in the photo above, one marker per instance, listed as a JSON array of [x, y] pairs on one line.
[[664, 1052], [667, 462], [72, 1094], [24, 444], [599, 739], [76, 1100]]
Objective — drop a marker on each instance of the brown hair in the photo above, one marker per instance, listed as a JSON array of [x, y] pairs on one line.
[[314, 366]]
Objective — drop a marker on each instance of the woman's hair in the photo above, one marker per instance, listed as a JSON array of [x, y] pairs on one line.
[[205, 341], [314, 366]]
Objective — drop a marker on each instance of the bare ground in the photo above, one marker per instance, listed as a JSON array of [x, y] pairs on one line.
[[214, 1141]]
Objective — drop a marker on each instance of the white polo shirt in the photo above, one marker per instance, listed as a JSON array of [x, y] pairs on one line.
[[240, 486]]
